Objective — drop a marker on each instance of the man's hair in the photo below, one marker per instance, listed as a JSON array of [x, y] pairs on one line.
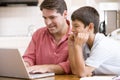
[[87, 15], [58, 5]]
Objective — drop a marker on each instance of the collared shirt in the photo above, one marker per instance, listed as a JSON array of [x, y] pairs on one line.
[[104, 55], [43, 49]]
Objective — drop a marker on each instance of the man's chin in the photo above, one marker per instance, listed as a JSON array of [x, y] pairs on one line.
[[52, 32]]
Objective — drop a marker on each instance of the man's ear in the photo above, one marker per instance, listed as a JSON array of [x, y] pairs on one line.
[[91, 27], [65, 14]]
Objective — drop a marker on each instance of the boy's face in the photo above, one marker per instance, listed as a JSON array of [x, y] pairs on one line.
[[54, 20], [79, 27]]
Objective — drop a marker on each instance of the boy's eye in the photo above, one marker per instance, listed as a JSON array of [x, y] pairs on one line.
[[76, 26]]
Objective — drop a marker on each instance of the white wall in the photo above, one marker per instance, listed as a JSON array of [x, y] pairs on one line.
[[19, 43], [16, 20]]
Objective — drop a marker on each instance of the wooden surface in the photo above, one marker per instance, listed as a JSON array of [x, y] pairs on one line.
[[56, 77]]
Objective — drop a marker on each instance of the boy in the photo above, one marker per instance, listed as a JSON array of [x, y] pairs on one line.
[[90, 51]]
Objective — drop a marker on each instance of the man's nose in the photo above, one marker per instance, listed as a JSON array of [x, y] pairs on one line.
[[48, 21]]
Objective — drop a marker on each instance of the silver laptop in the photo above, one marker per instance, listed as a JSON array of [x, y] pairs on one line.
[[12, 65]]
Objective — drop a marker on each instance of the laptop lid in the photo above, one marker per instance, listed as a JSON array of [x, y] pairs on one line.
[[12, 65]]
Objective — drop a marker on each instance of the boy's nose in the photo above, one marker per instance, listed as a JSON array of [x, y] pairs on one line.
[[73, 30]]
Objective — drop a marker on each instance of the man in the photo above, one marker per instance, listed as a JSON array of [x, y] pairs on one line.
[[91, 52], [48, 50]]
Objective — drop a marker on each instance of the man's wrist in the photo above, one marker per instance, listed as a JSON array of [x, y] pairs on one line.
[[27, 64]]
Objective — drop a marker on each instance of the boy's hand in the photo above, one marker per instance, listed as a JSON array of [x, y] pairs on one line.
[[81, 38], [71, 40]]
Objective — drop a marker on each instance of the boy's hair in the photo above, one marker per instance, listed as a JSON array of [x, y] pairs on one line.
[[87, 15], [58, 5]]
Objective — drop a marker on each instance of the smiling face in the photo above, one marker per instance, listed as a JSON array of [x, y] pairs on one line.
[[79, 27], [55, 21]]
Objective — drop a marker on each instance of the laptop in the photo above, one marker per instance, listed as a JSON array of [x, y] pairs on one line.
[[12, 65]]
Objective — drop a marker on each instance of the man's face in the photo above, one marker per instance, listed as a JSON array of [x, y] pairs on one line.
[[54, 20]]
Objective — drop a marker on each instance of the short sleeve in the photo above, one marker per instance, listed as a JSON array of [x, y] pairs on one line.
[[98, 56]]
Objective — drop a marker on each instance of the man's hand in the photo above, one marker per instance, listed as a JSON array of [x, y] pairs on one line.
[[38, 69], [27, 64], [45, 68]]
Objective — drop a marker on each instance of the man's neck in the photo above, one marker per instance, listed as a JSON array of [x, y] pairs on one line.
[[59, 35]]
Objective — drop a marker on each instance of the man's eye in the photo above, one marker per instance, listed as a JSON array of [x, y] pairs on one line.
[[52, 17], [44, 17]]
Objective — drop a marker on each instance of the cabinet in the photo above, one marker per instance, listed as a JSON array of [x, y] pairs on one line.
[[111, 15]]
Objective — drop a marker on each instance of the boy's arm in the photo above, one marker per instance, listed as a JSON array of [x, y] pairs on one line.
[[82, 69]]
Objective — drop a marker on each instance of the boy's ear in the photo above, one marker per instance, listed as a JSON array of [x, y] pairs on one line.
[[91, 27]]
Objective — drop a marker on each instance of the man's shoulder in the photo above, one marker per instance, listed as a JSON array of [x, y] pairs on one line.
[[40, 31]]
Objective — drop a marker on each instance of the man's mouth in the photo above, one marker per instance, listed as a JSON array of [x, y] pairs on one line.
[[51, 27]]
